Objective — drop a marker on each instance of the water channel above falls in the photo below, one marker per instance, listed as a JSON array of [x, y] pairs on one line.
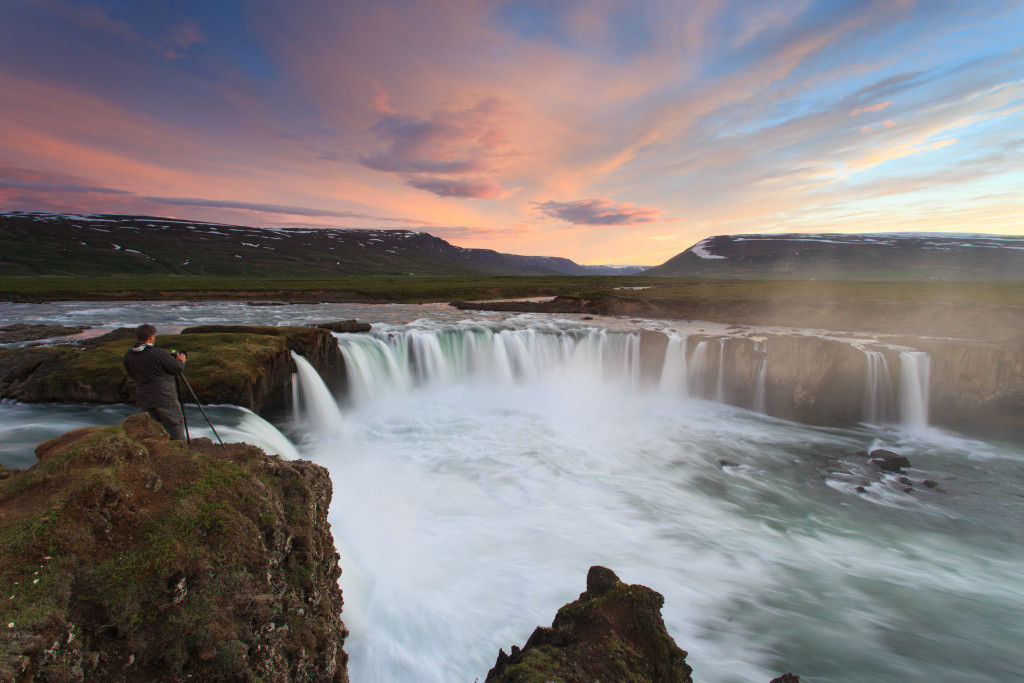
[[482, 462]]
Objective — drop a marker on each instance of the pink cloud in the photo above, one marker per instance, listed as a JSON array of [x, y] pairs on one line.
[[448, 142], [874, 107], [598, 212], [445, 187]]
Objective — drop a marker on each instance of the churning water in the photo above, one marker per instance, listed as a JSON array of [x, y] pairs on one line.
[[481, 466]]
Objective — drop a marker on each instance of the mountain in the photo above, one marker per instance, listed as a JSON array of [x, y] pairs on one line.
[[110, 244], [827, 256]]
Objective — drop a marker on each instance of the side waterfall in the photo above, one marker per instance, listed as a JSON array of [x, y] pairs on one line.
[[915, 378], [878, 393], [318, 404]]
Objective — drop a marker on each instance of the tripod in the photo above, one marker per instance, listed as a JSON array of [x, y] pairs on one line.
[[184, 420]]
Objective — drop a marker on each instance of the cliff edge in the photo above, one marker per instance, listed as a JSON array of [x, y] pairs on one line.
[[125, 557]]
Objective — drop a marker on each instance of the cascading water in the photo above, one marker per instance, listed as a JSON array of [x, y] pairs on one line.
[[915, 379], [319, 406], [761, 378], [697, 370], [878, 393], [673, 369], [720, 381]]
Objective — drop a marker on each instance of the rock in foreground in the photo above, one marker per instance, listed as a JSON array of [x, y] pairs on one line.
[[613, 632], [127, 557]]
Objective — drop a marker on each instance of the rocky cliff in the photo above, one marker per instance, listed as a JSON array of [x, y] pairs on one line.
[[250, 366], [125, 557]]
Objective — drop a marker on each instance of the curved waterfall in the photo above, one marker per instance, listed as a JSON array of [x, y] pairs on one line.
[[391, 363]]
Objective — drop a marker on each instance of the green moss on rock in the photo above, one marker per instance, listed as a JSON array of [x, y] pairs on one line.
[[127, 557], [613, 632]]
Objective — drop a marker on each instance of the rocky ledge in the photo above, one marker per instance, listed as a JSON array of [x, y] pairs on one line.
[[127, 557], [244, 365], [613, 632]]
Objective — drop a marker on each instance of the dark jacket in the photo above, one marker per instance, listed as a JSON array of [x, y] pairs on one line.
[[153, 370]]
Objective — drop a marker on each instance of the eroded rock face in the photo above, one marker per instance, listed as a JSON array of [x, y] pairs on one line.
[[613, 632], [128, 557]]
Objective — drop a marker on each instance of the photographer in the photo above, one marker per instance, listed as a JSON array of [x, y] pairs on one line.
[[154, 371]]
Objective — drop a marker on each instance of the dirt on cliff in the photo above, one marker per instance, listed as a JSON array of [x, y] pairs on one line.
[[126, 557]]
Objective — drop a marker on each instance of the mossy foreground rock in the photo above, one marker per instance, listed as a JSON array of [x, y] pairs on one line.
[[126, 557], [613, 632]]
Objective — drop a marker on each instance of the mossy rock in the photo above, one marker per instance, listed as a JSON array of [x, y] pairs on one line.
[[124, 556], [613, 632]]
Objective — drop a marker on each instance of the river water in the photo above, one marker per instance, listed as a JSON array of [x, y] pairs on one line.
[[483, 462]]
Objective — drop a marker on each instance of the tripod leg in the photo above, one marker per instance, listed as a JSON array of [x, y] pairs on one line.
[[202, 410], [181, 404]]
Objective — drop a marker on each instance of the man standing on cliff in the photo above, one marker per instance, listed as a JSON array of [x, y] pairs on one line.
[[155, 372]]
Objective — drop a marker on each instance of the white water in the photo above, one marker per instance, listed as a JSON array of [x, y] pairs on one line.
[[480, 467], [761, 379], [915, 374], [481, 473], [877, 389]]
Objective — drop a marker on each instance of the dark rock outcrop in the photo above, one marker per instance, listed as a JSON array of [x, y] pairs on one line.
[[128, 557], [343, 326], [613, 632], [22, 332], [887, 461]]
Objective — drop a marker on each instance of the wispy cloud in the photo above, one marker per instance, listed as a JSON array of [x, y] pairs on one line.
[[598, 212], [448, 142]]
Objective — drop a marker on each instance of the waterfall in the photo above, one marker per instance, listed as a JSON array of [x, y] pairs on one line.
[[673, 370], [318, 404], [392, 363], [696, 369], [761, 378], [720, 382], [915, 376], [877, 389]]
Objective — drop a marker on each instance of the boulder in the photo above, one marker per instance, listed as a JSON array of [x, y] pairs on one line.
[[613, 632], [887, 461]]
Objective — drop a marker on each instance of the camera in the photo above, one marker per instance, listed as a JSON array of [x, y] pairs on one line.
[[175, 352]]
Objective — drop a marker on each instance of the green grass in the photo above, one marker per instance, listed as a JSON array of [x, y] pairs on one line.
[[409, 289]]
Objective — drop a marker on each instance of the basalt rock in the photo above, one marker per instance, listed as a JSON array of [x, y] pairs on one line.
[[613, 632], [343, 326], [126, 557], [887, 461], [22, 332]]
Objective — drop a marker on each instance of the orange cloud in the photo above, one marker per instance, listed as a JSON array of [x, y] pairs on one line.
[[874, 107]]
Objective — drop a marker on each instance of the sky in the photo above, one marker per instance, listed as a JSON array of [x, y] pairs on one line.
[[604, 131]]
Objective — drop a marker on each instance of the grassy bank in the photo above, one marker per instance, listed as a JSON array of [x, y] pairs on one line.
[[395, 289]]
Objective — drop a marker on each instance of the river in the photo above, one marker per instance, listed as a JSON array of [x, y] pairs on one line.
[[483, 462]]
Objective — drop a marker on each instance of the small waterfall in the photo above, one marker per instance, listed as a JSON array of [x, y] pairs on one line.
[[697, 369], [318, 404], [673, 370], [915, 376], [878, 394], [254, 429], [759, 405], [720, 382]]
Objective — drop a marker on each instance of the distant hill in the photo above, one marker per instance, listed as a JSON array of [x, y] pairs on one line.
[[880, 256], [109, 244]]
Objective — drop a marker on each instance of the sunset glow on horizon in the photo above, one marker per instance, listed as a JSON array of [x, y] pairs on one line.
[[604, 131]]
